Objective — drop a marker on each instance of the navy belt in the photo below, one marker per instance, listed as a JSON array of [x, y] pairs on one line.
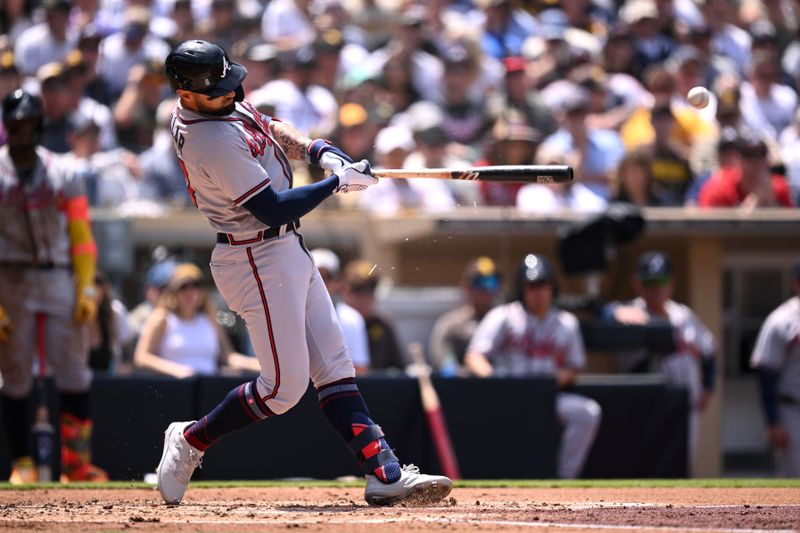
[[263, 235]]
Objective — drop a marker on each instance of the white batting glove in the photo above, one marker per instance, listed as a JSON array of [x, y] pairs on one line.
[[323, 154], [355, 177]]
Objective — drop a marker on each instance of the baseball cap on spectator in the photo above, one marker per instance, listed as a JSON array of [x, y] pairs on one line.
[[763, 31], [185, 273], [330, 41], [352, 114], [514, 64], [456, 56], [7, 62], [361, 276], [54, 5], [326, 259], [50, 74], [89, 37], [683, 55], [553, 24], [728, 139], [413, 16], [426, 121], [752, 145], [159, 274], [576, 100], [392, 138], [261, 52], [728, 102], [81, 123], [635, 10], [481, 273], [654, 267]]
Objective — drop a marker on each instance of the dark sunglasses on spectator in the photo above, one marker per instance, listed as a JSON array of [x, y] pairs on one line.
[[754, 154], [363, 289], [657, 282], [188, 285]]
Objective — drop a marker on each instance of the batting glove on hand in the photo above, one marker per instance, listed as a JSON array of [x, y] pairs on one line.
[[323, 154], [6, 327], [355, 177], [85, 305]]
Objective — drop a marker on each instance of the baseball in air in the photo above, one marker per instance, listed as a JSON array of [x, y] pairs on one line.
[[698, 97]]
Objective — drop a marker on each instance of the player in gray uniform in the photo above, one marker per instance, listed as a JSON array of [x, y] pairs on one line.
[[236, 162], [692, 364], [776, 355], [531, 337], [47, 266]]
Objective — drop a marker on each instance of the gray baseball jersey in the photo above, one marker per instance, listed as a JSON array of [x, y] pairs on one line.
[[778, 347], [272, 284], [36, 275], [519, 344]]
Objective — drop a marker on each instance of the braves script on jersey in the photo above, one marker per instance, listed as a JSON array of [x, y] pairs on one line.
[[228, 160], [519, 344]]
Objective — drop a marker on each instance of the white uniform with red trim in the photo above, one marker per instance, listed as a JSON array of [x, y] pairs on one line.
[[36, 275], [519, 344], [272, 284]]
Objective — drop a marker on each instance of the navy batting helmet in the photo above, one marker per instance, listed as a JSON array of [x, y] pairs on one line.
[[533, 268], [21, 105], [204, 67]]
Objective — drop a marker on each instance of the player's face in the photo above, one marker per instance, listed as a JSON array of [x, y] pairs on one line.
[[655, 293], [538, 297], [209, 105]]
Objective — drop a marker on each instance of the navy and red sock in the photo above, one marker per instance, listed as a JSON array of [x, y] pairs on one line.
[[241, 407], [348, 414]]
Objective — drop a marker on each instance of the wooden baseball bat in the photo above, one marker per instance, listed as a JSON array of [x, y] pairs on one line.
[[502, 173], [434, 414]]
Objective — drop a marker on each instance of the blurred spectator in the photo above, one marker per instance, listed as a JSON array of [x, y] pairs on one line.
[[311, 108], [516, 94], [641, 17], [505, 27], [134, 45], [262, 63], [670, 172], [552, 197], [109, 332], [163, 178], [531, 337], [182, 20], [395, 84], [135, 111], [9, 81], [727, 38], [790, 154], [182, 338], [16, 16], [112, 177], [619, 55], [692, 364], [767, 106], [375, 20], [355, 132], [224, 26], [423, 68], [594, 153], [633, 181], [511, 141], [354, 329], [452, 331], [465, 118], [46, 42], [390, 196], [750, 183], [360, 281], [75, 73], [94, 86], [776, 356], [287, 24], [155, 281], [58, 106]]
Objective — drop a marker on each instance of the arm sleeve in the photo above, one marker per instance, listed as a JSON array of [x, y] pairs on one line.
[[278, 208], [576, 353], [770, 346], [83, 249], [487, 336], [229, 164], [768, 385], [708, 371]]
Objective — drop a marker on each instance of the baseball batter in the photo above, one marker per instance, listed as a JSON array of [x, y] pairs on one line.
[[47, 269], [530, 337], [776, 355], [236, 162]]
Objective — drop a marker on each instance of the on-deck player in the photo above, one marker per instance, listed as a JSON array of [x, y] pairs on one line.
[[238, 174]]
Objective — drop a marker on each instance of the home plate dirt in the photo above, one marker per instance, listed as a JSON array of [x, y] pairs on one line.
[[344, 510]]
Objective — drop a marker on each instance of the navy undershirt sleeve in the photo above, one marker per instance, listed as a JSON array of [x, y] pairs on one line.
[[768, 379], [708, 371], [277, 208]]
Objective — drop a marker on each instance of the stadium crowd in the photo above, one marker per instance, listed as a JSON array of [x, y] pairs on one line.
[[596, 84]]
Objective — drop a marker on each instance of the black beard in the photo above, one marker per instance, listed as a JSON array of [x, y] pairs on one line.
[[221, 112]]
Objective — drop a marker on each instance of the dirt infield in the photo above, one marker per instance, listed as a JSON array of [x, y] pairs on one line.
[[343, 510]]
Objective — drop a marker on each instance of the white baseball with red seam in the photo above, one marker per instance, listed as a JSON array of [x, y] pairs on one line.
[[698, 97]]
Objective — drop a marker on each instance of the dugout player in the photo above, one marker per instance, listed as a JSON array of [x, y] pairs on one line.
[[236, 163], [776, 355], [47, 269], [692, 364], [531, 337]]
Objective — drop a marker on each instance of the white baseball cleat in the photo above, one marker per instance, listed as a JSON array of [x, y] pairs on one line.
[[177, 465], [412, 488]]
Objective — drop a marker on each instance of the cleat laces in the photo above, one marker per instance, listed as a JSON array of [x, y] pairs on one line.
[[188, 459], [411, 469]]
